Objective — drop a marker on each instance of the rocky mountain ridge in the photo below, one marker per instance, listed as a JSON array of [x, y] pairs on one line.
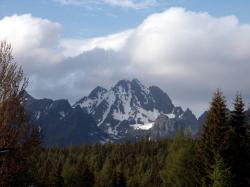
[[128, 110], [131, 106], [62, 124]]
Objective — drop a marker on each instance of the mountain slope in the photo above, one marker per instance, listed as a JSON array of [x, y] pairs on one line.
[[62, 124], [168, 127]]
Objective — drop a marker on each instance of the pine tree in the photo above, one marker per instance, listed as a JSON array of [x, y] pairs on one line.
[[211, 141], [69, 173], [247, 142], [108, 174], [178, 170], [85, 177], [235, 150], [221, 175]]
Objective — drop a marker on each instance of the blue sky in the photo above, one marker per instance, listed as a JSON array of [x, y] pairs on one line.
[[189, 48], [86, 20]]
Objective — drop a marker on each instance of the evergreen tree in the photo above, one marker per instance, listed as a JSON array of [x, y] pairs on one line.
[[221, 176], [247, 142], [235, 150], [77, 174], [211, 141], [120, 179], [86, 177], [178, 170], [108, 174], [69, 173]]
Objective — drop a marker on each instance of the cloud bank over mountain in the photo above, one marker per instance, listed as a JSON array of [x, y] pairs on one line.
[[188, 54]]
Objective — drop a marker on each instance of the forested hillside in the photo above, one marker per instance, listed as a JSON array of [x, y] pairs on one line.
[[219, 157], [129, 164]]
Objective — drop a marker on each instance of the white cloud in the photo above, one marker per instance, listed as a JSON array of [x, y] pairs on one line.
[[183, 41], [115, 42], [134, 4], [72, 2], [31, 38], [187, 54]]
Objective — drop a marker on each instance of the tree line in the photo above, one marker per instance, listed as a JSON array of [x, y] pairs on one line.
[[218, 157]]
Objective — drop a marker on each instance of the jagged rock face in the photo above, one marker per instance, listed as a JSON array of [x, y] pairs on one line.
[[126, 105], [62, 124], [165, 127]]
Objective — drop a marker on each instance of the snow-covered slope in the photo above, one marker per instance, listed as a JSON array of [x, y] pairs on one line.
[[128, 106]]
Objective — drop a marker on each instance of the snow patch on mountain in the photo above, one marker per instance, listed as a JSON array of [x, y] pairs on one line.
[[38, 115], [147, 116], [145, 126], [88, 104], [109, 100], [171, 116], [124, 101], [62, 114]]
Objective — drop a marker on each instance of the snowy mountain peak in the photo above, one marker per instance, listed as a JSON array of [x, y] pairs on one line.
[[126, 104], [136, 82], [123, 83], [98, 92], [92, 100], [188, 112]]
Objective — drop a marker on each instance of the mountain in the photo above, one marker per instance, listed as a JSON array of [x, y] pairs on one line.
[[61, 123], [127, 111], [130, 109]]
